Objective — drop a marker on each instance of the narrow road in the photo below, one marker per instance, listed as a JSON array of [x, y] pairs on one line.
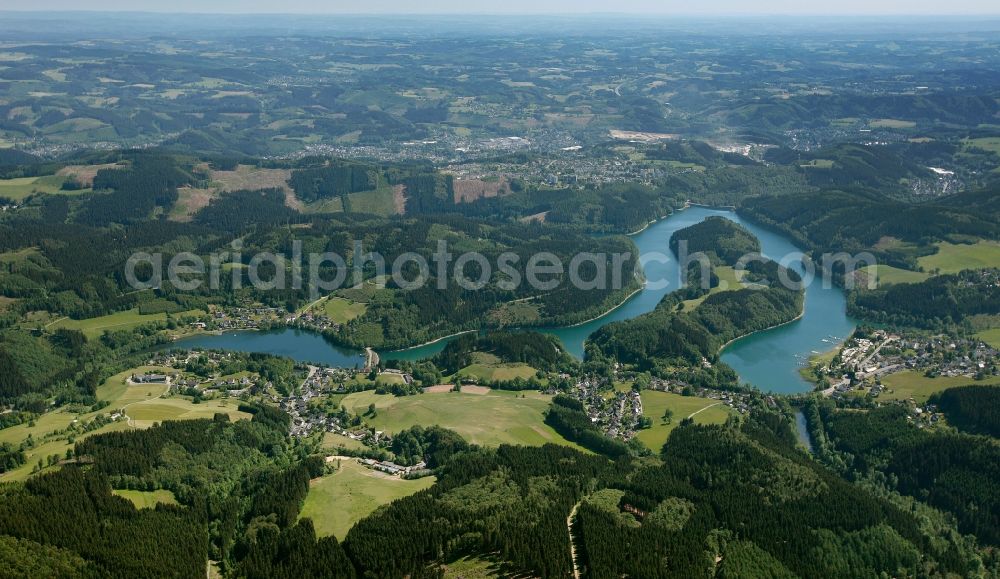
[[703, 409], [868, 358], [310, 306], [572, 545], [312, 372]]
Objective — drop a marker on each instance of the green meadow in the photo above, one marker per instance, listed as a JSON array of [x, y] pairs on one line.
[[336, 501], [94, 327], [20, 188], [655, 403], [486, 417], [954, 257], [342, 310], [911, 384]]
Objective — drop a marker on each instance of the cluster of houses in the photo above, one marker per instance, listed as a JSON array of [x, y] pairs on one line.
[[307, 420], [242, 318], [926, 416], [618, 413], [863, 361], [312, 320]]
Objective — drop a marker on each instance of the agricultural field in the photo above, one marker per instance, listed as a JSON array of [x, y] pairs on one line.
[[147, 499], [818, 164], [94, 327], [53, 431], [336, 501], [954, 257], [333, 441], [654, 404], [991, 144], [342, 310], [887, 274], [148, 412], [50, 429], [891, 124], [20, 188], [910, 384], [488, 368], [145, 404], [990, 336], [496, 372], [490, 418]]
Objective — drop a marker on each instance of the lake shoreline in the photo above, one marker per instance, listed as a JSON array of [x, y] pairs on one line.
[[431, 342], [767, 329]]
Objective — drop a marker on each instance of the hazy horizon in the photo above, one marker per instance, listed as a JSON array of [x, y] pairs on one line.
[[524, 7]]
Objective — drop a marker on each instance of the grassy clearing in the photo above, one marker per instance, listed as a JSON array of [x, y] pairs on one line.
[[954, 257], [728, 280], [147, 499], [250, 178], [189, 202], [911, 384], [336, 501], [497, 417], [480, 567], [342, 310], [654, 404], [887, 274], [329, 205], [85, 173], [94, 327], [516, 313], [818, 164], [377, 202]]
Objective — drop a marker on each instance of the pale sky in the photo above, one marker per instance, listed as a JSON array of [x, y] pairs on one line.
[[677, 7]]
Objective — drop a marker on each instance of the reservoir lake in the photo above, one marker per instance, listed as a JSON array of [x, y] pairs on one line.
[[769, 360]]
